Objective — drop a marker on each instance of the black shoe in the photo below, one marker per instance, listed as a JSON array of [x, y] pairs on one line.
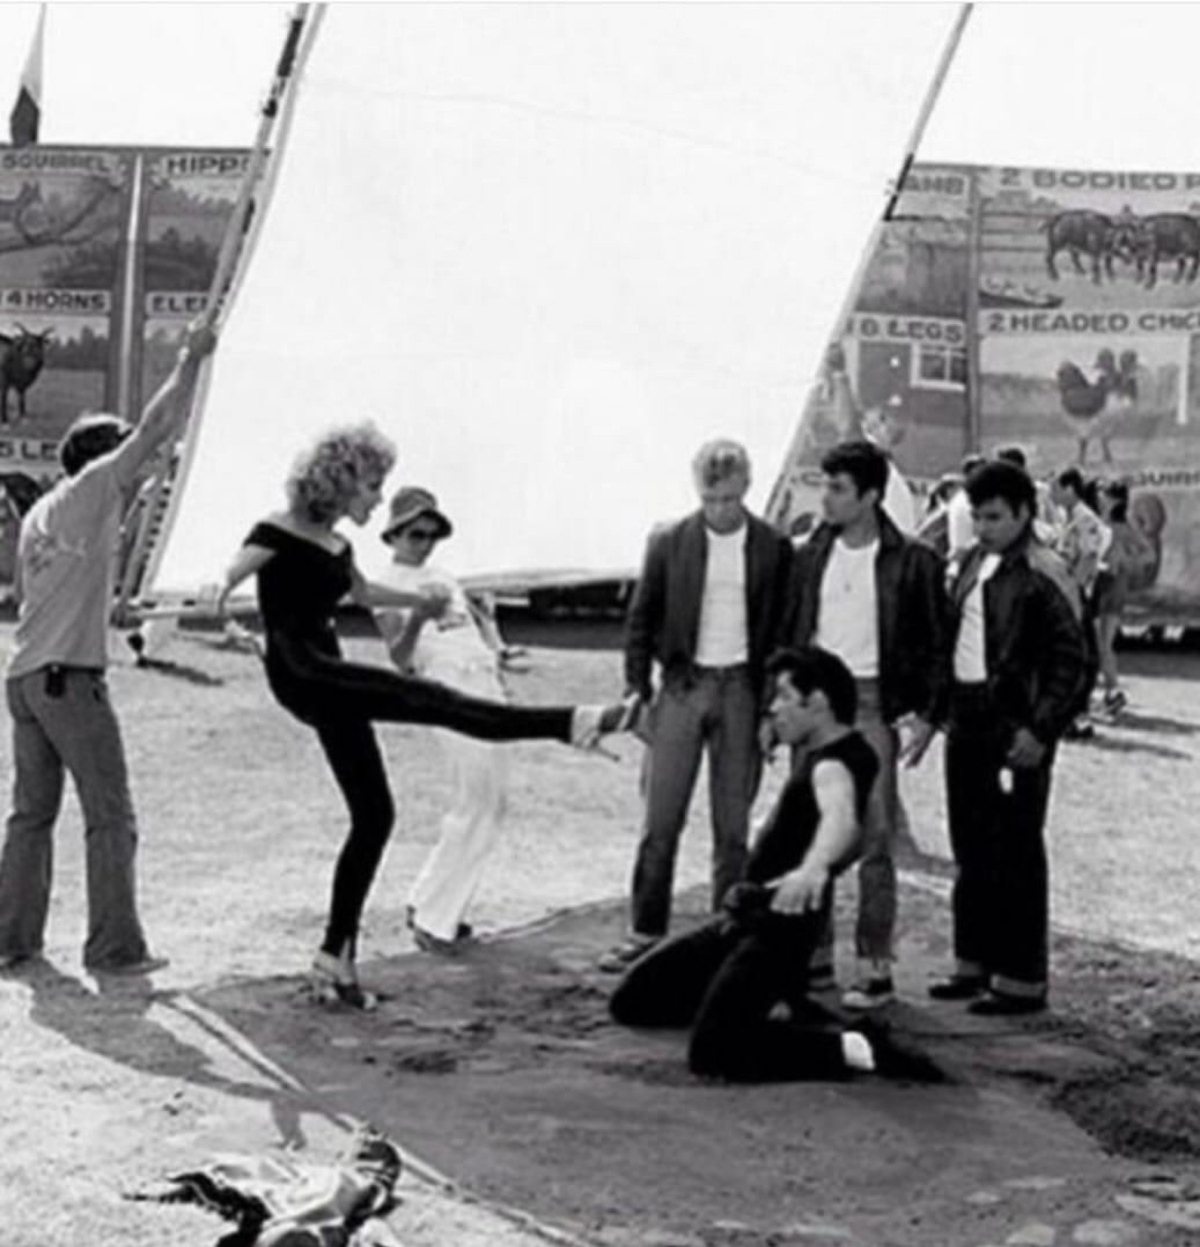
[[869, 994], [1002, 1004], [821, 979], [959, 987]]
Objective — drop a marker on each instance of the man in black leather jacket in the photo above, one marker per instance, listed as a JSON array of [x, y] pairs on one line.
[[1019, 674], [864, 591]]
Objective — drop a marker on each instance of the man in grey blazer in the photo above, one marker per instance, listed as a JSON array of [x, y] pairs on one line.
[[707, 612]]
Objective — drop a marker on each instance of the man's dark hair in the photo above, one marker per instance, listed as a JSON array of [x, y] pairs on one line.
[[863, 462], [90, 437], [1118, 493], [971, 462], [1071, 478], [812, 668], [1012, 454], [1006, 481]]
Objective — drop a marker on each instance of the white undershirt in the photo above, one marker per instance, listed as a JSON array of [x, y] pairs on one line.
[[848, 616], [970, 652], [721, 640], [960, 526]]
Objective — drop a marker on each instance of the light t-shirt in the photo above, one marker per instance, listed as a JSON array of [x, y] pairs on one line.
[[848, 614], [447, 646], [721, 638], [960, 524], [970, 651], [65, 557]]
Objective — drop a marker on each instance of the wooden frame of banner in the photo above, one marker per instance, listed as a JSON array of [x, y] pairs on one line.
[[159, 498]]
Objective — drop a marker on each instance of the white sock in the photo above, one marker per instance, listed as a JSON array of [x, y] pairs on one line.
[[856, 1051]]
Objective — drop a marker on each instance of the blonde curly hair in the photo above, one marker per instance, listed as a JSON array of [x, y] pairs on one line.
[[326, 476]]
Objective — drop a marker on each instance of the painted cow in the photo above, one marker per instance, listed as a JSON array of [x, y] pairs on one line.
[[1167, 236], [1082, 232], [21, 360]]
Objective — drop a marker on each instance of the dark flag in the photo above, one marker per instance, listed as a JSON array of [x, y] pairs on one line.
[[26, 116]]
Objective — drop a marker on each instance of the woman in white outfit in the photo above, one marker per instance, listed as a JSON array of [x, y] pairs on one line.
[[450, 648]]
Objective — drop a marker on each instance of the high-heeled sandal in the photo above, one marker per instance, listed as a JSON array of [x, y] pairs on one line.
[[330, 983]]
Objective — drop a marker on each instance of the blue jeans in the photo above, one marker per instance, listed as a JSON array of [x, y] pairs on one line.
[[63, 722], [713, 709]]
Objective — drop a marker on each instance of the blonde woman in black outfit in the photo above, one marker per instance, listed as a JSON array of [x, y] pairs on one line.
[[304, 569]]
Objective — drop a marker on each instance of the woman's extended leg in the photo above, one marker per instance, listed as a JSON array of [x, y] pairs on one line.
[[338, 689]]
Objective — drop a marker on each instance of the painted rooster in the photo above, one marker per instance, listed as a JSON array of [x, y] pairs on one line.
[[1092, 405]]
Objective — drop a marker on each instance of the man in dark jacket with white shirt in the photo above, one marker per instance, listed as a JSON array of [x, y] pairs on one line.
[[706, 612], [1019, 674], [876, 598]]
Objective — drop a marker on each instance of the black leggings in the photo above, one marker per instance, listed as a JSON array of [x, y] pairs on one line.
[[319, 690], [340, 700], [723, 979]]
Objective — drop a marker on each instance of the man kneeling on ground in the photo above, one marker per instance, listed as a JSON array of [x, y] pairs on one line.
[[740, 979]]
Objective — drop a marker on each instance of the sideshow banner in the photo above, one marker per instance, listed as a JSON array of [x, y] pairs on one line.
[[1078, 297], [104, 254], [1093, 365], [189, 201], [62, 213]]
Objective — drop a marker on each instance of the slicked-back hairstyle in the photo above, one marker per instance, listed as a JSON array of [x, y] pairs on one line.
[[863, 462], [1071, 478], [1117, 492], [1012, 454], [1000, 479], [720, 460], [91, 437], [327, 475], [812, 668]]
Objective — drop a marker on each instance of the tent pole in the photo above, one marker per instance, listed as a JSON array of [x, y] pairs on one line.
[[158, 499], [928, 105], [910, 156]]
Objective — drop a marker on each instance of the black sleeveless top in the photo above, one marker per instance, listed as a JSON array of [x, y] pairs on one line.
[[298, 591], [793, 823]]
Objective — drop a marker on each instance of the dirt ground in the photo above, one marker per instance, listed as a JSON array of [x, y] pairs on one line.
[[500, 1070]]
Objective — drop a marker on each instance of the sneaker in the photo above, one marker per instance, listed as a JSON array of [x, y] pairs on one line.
[[621, 956], [869, 994], [131, 969], [959, 987], [1081, 729]]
